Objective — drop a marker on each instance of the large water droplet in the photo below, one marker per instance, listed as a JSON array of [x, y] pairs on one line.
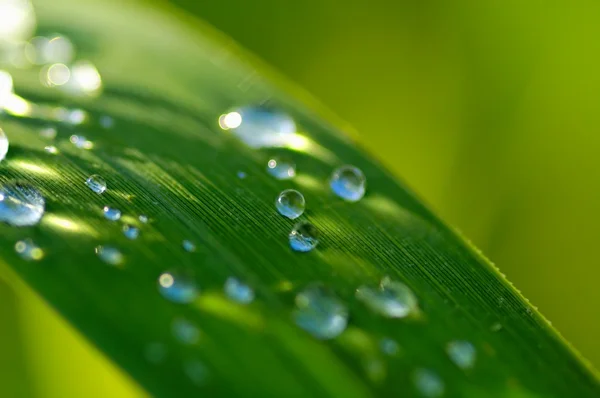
[[29, 250], [428, 383], [281, 168], [304, 237], [3, 145], [131, 232], [185, 331], [111, 213], [238, 291], [290, 203], [259, 127], [390, 299], [96, 183], [21, 204], [462, 353], [178, 286], [349, 183], [110, 255], [320, 312]]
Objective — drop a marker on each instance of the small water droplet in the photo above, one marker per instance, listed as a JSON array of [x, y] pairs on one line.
[[197, 372], [304, 237], [290, 203], [81, 142], [391, 299], [96, 183], [238, 291], [389, 347], [281, 168], [178, 286], [85, 79], [3, 145], [428, 383], [155, 352], [241, 175], [111, 214], [349, 183], [107, 122], [185, 332], [21, 204], [29, 250], [110, 255], [188, 246], [462, 353], [143, 218], [259, 127], [51, 149], [75, 117], [48, 133], [131, 232], [320, 312]]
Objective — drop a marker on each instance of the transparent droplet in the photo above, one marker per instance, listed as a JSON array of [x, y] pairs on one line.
[[143, 218], [390, 299], [281, 168], [21, 204], [155, 352], [185, 332], [196, 371], [188, 246], [304, 237], [428, 383], [48, 133], [55, 75], [131, 232], [51, 149], [74, 117], [111, 213], [29, 250], [320, 312], [462, 353], [85, 79], [238, 291], [110, 255], [178, 286], [349, 183], [290, 203], [96, 183], [241, 175], [3, 145], [389, 347], [259, 127], [107, 122], [81, 142]]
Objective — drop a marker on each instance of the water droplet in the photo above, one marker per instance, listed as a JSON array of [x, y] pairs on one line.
[[320, 312], [178, 287], [48, 133], [107, 122], [81, 142], [304, 237], [85, 79], [6, 87], [197, 372], [96, 183], [259, 127], [111, 213], [143, 218], [131, 232], [238, 291], [21, 204], [75, 117], [349, 183], [496, 327], [188, 246], [241, 175], [390, 299], [184, 331], [428, 383], [29, 250], [51, 149], [155, 352], [462, 353], [3, 145], [281, 168], [110, 255], [389, 347], [290, 203]]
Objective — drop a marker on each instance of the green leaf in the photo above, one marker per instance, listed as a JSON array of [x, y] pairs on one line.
[[167, 80]]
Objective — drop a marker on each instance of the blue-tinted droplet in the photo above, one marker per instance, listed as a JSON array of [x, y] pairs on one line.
[[188, 246], [241, 175], [349, 183], [111, 213], [428, 383], [178, 287], [21, 204], [27, 249], [304, 237], [259, 127], [462, 353], [107, 122], [320, 312], [143, 218], [110, 255], [281, 168], [290, 203], [96, 183], [131, 232], [390, 299], [238, 291], [185, 332], [389, 347]]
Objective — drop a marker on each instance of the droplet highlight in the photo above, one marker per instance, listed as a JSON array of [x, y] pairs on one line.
[[462, 353], [21, 204], [188, 246], [391, 299], [259, 127], [281, 168], [389, 347], [304, 237], [178, 287], [28, 250], [96, 183], [3, 145], [111, 213], [290, 203], [238, 291], [349, 183], [110, 255], [320, 312]]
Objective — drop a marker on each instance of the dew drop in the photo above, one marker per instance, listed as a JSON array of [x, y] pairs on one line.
[[107, 122], [188, 246], [196, 371], [462, 353], [155, 352], [349, 183], [320, 312], [496, 327], [281, 168], [178, 287], [391, 299], [241, 175], [21, 204], [3, 145], [81, 142], [131, 232], [51, 149], [389, 347], [143, 218], [185, 332], [110, 255], [259, 127], [27, 249], [48, 133], [111, 214], [238, 291], [290, 203], [428, 383], [304, 237], [96, 183]]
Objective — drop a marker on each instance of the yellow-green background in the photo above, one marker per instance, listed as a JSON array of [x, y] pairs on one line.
[[490, 110]]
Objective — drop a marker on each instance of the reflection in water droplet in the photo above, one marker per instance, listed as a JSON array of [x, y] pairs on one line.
[[238, 291], [320, 312], [428, 383], [390, 299], [51, 149], [143, 218], [290, 203], [3, 145], [349, 183], [389, 347], [48, 133], [111, 213], [304, 237], [155, 352], [259, 127], [197, 372], [29, 250], [184, 331], [281, 168], [178, 287], [81, 142], [462, 353], [131, 232], [188, 246], [96, 183], [110, 255], [21, 204]]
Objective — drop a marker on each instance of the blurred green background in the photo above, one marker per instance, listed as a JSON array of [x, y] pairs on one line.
[[489, 110]]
